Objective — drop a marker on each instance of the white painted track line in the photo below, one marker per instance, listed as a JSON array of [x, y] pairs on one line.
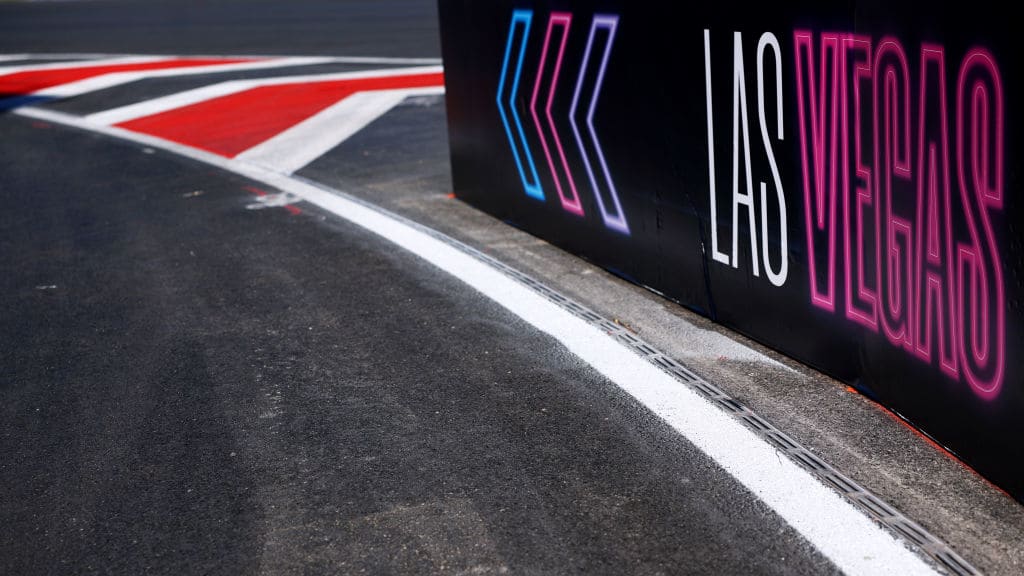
[[843, 534], [119, 78], [189, 97], [80, 64], [384, 60], [308, 140], [93, 55], [76, 59]]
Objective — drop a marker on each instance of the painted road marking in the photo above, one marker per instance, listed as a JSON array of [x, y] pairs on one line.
[[265, 199], [118, 78], [308, 140], [232, 123], [83, 57], [384, 60], [852, 541], [129, 112], [38, 81], [67, 79], [282, 123], [111, 61]]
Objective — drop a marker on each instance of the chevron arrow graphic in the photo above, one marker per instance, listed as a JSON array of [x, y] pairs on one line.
[[611, 214], [571, 200], [517, 139]]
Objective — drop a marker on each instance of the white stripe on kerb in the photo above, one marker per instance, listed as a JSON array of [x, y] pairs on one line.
[[189, 97], [315, 136], [841, 532], [118, 78], [99, 59], [89, 64]]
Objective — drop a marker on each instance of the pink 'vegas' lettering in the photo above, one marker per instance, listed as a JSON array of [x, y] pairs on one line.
[[821, 99], [861, 306], [936, 288], [892, 162], [979, 151]]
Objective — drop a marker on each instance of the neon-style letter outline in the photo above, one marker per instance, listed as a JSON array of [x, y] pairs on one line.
[[934, 284], [892, 161], [519, 18], [861, 306], [982, 189], [820, 196]]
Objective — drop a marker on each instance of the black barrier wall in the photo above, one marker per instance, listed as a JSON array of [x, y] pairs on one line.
[[837, 180]]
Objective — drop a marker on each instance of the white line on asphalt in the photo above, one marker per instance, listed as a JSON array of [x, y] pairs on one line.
[[84, 55], [89, 64], [842, 533], [76, 55], [383, 60], [105, 58], [315, 136], [118, 78], [189, 97]]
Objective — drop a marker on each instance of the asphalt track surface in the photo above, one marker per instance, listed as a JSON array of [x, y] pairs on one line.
[[191, 385], [215, 389], [321, 27]]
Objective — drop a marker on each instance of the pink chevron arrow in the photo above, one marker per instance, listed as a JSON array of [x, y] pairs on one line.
[[571, 201]]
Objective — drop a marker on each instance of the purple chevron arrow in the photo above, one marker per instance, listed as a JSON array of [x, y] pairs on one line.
[[570, 202], [615, 219]]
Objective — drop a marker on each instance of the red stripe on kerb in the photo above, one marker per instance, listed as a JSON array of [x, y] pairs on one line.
[[32, 80], [234, 123]]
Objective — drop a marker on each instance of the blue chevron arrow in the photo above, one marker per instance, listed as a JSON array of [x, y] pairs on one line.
[[519, 18]]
